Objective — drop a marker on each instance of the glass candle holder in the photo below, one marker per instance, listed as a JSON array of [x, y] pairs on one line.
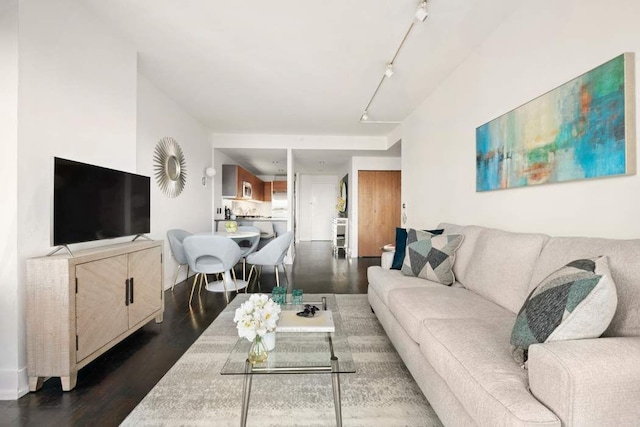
[[296, 296], [279, 295]]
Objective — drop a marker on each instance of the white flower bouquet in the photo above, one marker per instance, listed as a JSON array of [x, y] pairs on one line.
[[257, 316]]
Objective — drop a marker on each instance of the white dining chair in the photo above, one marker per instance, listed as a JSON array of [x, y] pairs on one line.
[[210, 254], [272, 254], [175, 238]]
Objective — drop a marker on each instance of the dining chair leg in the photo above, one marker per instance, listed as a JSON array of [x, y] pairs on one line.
[[277, 276], [250, 274], [193, 288], [226, 292], [244, 269], [235, 281], [201, 280], [206, 280], [175, 277], [284, 269]]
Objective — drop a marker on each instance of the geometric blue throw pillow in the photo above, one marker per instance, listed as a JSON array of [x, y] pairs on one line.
[[431, 257], [576, 301], [401, 246]]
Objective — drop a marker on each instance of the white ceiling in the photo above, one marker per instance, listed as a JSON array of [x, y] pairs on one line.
[[298, 66]]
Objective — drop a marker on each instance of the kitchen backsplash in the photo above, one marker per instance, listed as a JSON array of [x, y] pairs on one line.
[[248, 208]]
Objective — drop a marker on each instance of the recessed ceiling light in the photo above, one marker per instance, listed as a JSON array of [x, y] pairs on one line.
[[275, 162], [280, 170], [321, 162]]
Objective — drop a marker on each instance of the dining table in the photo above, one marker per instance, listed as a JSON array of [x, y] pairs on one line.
[[236, 236]]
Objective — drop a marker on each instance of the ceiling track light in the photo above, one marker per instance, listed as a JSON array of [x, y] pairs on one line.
[[389, 71], [421, 15]]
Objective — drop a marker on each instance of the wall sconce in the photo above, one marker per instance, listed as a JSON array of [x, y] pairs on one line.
[[209, 173]]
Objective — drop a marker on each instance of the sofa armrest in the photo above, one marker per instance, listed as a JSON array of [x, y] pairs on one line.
[[591, 382], [387, 259]]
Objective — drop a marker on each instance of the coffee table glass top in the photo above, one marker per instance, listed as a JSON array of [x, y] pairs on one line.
[[299, 352]]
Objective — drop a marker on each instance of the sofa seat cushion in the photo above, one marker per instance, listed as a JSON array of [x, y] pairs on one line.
[[411, 306], [382, 281], [473, 357]]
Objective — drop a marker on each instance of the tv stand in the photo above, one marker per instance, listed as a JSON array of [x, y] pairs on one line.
[[59, 248], [78, 307], [143, 236]]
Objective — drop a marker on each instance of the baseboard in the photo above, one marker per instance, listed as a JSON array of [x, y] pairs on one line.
[[13, 384]]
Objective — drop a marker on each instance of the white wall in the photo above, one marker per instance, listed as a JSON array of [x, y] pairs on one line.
[[159, 116], [358, 164], [9, 312], [542, 45]]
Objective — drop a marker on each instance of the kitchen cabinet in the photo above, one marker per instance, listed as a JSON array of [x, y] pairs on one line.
[[78, 307], [232, 178], [279, 186], [267, 191]]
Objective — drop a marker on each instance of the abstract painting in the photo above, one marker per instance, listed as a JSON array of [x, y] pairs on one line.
[[580, 130]]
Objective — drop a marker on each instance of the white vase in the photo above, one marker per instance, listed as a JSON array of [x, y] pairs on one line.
[[269, 340]]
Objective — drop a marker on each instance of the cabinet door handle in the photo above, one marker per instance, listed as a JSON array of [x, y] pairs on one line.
[[131, 291], [126, 292]]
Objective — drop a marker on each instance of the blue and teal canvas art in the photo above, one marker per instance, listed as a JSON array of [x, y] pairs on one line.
[[575, 131]]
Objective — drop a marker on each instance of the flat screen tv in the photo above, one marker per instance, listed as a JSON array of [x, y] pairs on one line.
[[93, 203]]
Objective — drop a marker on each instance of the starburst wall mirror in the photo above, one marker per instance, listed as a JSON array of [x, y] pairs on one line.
[[170, 168]]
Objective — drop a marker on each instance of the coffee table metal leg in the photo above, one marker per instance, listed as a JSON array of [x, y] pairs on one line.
[[335, 377], [246, 392]]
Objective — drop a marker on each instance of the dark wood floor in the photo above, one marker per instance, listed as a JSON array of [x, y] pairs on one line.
[[110, 387]]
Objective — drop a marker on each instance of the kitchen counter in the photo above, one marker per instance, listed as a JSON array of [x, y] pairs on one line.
[[243, 218], [279, 224]]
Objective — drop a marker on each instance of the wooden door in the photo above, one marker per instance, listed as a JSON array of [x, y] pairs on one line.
[[378, 210], [101, 310], [146, 272]]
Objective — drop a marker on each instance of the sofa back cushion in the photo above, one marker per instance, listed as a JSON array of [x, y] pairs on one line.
[[501, 266], [465, 251], [624, 264]]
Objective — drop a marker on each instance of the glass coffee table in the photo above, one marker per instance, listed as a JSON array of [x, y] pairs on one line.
[[298, 353]]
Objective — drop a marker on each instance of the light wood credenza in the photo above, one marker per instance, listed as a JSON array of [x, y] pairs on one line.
[[79, 307]]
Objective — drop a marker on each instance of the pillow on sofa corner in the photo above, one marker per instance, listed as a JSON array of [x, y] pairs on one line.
[[401, 246], [576, 301], [431, 257]]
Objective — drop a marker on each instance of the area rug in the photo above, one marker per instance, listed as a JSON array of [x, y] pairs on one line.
[[381, 392]]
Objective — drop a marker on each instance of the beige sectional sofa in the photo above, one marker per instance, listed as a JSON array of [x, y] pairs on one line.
[[455, 340]]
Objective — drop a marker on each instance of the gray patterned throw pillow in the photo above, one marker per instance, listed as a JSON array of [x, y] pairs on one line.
[[431, 257], [575, 302]]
